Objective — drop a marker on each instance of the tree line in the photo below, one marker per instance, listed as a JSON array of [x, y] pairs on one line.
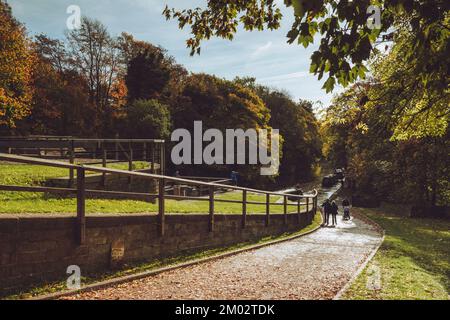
[[391, 130], [94, 85], [390, 127]]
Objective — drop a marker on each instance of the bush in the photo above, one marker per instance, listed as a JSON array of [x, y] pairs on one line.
[[148, 119]]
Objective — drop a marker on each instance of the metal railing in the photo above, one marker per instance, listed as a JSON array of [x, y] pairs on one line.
[[81, 193]]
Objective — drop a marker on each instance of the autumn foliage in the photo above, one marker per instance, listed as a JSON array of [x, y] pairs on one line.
[[16, 66], [93, 84]]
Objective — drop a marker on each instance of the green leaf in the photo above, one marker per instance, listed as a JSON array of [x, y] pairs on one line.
[[292, 35], [329, 84], [299, 9]]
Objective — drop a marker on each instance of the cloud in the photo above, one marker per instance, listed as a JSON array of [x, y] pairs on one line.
[[284, 77], [260, 50]]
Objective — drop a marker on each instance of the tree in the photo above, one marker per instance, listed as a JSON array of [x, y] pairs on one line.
[[299, 129], [53, 52], [95, 55], [412, 171], [148, 119], [220, 104], [16, 61], [148, 74], [60, 103], [346, 37], [149, 71], [416, 104]]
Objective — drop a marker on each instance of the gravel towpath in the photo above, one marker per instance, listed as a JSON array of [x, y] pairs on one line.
[[315, 266]]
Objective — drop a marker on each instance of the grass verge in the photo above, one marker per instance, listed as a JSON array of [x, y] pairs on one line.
[[412, 263], [156, 264]]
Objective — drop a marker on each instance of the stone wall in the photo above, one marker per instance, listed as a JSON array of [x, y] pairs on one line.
[[38, 249]]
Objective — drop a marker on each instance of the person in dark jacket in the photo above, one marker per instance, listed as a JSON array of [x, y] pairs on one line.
[[334, 213], [326, 208]]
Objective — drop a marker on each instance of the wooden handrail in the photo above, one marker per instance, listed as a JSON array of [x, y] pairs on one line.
[[60, 164], [37, 161], [81, 192], [79, 139], [192, 182]]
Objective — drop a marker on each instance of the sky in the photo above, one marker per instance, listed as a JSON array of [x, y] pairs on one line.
[[264, 55]]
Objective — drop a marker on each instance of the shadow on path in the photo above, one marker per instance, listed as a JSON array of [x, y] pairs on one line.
[[315, 266]]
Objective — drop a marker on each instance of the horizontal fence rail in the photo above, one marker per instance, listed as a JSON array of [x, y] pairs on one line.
[[309, 200], [89, 151]]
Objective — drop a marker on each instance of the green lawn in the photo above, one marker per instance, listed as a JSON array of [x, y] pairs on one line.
[[26, 202], [413, 261]]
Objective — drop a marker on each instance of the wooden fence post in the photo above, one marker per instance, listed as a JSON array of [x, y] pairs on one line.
[[315, 210], [244, 208], [104, 156], [81, 205], [94, 151], [314, 205], [162, 159], [267, 209], [144, 152], [116, 146], [72, 161], [130, 163], [153, 158], [161, 213], [211, 209], [285, 211], [299, 211]]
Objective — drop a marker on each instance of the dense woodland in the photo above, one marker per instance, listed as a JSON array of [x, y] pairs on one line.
[[389, 128]]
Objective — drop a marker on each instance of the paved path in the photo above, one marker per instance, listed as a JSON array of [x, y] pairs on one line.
[[315, 266]]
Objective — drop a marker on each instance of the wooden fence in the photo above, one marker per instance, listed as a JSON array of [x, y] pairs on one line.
[[89, 151], [82, 193]]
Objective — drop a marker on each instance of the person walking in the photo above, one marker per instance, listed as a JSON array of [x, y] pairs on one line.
[[334, 213], [326, 209], [234, 177]]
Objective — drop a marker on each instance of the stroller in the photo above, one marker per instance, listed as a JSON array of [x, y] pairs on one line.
[[346, 213], [346, 206]]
